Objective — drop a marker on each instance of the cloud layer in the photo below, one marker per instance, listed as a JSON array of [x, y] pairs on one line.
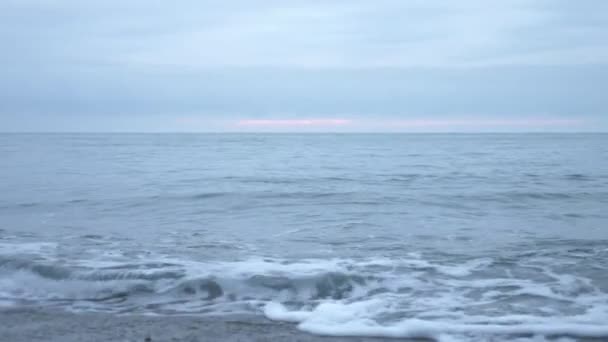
[[140, 65]]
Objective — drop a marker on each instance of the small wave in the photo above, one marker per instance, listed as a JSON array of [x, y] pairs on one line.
[[301, 289], [208, 195], [208, 287], [517, 197], [54, 272], [578, 177], [129, 275], [8, 249], [143, 271], [172, 279], [26, 205]]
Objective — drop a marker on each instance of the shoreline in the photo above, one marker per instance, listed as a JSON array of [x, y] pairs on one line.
[[42, 324]]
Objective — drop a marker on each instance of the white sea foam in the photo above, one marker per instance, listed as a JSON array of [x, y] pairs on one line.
[[458, 270], [336, 319], [27, 248], [457, 308]]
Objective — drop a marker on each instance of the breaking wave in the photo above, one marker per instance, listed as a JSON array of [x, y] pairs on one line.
[[410, 297]]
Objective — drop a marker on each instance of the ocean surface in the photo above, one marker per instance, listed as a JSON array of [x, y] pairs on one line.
[[451, 237]]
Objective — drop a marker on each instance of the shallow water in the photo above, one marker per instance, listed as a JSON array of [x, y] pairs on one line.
[[450, 237]]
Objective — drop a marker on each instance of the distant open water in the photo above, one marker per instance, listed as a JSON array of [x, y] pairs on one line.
[[452, 237]]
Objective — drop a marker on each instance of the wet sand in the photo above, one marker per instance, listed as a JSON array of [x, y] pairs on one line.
[[37, 324], [30, 325]]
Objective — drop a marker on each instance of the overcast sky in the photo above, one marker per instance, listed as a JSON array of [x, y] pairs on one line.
[[331, 65]]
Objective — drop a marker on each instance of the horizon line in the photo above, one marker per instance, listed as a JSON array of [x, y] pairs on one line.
[[306, 132]]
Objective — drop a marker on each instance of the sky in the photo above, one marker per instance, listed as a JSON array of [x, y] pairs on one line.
[[303, 66]]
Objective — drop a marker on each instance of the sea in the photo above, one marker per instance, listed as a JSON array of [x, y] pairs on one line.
[[445, 237]]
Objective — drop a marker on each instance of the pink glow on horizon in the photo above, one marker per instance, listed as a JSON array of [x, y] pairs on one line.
[[293, 122], [382, 124], [487, 123], [413, 123]]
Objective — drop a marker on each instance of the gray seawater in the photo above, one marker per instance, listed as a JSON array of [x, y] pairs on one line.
[[451, 237]]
